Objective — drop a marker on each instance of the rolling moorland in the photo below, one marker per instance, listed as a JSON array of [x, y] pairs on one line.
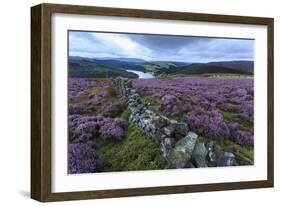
[[143, 124], [105, 68]]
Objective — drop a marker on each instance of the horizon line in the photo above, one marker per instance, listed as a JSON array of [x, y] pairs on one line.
[[101, 58]]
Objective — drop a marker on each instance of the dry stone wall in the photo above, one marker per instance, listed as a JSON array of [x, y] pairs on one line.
[[178, 145]]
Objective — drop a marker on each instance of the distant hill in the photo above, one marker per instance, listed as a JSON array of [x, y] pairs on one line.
[[245, 66], [117, 63], [181, 64], [112, 67], [135, 60], [157, 66], [197, 69], [226, 67], [83, 68], [133, 63]]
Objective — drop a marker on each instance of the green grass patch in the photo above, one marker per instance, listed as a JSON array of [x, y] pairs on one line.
[[179, 117], [193, 98], [109, 90], [125, 114], [244, 153], [134, 152], [225, 75], [95, 90], [102, 80], [228, 116], [154, 102], [246, 124], [112, 92], [81, 99]]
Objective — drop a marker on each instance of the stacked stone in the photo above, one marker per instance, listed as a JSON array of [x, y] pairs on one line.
[[179, 146]]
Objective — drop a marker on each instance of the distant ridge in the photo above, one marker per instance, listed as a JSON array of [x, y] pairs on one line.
[[131, 63], [130, 59], [198, 69], [83, 66], [245, 66]]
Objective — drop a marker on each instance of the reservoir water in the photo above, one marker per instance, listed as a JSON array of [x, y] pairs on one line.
[[143, 75]]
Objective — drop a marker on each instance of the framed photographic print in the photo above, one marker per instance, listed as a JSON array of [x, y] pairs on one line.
[[130, 102]]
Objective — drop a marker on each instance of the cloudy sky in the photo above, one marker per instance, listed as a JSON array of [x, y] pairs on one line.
[[158, 47]]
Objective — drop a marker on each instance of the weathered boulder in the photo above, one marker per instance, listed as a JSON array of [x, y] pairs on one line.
[[180, 129], [145, 125], [189, 165], [132, 91], [169, 131], [199, 154], [166, 145], [211, 155], [182, 152], [225, 159], [169, 143], [157, 137], [160, 121], [137, 108], [176, 129]]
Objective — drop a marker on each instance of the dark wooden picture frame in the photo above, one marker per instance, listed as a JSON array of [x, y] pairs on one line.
[[41, 101]]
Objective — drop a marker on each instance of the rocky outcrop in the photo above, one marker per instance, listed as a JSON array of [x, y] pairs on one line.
[[179, 146], [200, 154], [181, 154], [225, 159]]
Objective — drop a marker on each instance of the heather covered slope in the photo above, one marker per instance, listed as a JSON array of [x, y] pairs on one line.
[[102, 137], [216, 108]]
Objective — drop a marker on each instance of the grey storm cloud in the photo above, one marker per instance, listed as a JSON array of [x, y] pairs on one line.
[[159, 47], [161, 42]]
